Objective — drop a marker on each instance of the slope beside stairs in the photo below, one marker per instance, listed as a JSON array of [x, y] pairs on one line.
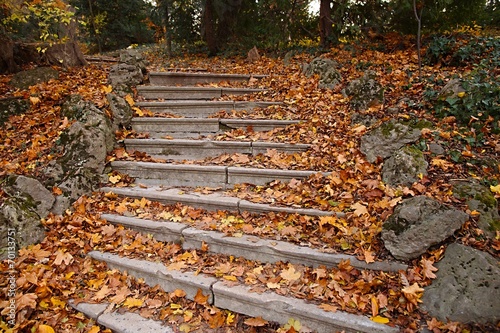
[[177, 93]]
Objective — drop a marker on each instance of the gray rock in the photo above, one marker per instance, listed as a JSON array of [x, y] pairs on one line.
[[418, 223], [467, 287], [384, 140], [329, 76], [451, 89], [404, 167], [25, 79], [134, 58], [19, 226], [123, 77], [12, 106], [122, 112], [85, 145], [481, 199], [34, 191], [436, 148], [365, 92]]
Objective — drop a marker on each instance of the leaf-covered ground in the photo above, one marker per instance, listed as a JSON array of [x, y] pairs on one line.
[[51, 273]]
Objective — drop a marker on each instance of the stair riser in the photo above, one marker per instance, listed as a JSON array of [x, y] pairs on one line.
[[200, 109], [189, 93], [166, 79], [207, 176], [187, 128], [199, 150]]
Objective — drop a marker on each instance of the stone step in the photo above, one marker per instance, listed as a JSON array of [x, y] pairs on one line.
[[191, 93], [248, 246], [120, 322], [239, 298], [214, 201], [182, 128], [186, 78], [181, 149], [201, 109], [192, 175]]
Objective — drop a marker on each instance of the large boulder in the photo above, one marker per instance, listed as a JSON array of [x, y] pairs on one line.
[[365, 92], [451, 89], [122, 77], [11, 106], [19, 226], [85, 145], [404, 167], [329, 76], [480, 199], [467, 287], [25, 79], [384, 140], [418, 223]]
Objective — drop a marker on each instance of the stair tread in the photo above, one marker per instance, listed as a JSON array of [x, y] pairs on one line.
[[250, 247], [239, 298], [214, 201]]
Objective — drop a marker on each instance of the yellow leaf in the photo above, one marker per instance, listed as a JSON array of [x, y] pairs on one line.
[[131, 302], [130, 100], [230, 278], [94, 329], [114, 179], [107, 89], [461, 94], [57, 302], [380, 319], [45, 329], [495, 189], [185, 328], [295, 323], [138, 111], [34, 100], [230, 318]]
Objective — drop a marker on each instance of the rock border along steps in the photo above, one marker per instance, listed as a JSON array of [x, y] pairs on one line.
[[156, 176]]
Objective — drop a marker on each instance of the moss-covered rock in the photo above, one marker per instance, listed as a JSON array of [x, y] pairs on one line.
[[12, 106], [365, 92], [479, 198], [404, 167]]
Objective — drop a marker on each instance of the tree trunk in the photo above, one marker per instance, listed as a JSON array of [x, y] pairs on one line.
[[325, 23], [7, 63], [209, 23]]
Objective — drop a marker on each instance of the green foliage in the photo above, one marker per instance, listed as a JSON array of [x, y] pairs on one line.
[[44, 22]]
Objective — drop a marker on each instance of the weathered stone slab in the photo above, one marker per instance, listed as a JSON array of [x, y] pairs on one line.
[[89, 309], [268, 250], [418, 223], [149, 173], [188, 109], [214, 201], [179, 93], [162, 231], [467, 287], [274, 307], [257, 125], [263, 147], [247, 206], [157, 274], [240, 91], [130, 322], [386, 139], [158, 127], [180, 149], [329, 76], [42, 199], [237, 175], [185, 78]]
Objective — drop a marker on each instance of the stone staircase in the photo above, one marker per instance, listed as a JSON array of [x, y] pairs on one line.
[[173, 183]]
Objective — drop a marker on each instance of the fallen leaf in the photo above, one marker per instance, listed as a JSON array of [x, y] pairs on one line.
[[428, 268], [359, 209], [45, 329], [328, 307], [132, 302], [201, 299], [256, 322], [380, 319], [290, 274]]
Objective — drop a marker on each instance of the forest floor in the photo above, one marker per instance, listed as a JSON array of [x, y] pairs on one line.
[[54, 271]]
